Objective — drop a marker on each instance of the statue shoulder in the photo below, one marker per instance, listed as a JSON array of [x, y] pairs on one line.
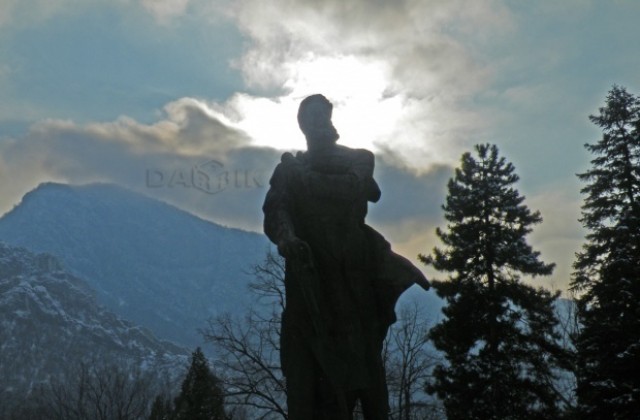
[[363, 155], [364, 158]]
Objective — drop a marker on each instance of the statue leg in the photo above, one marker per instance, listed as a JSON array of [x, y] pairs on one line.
[[310, 395], [375, 399], [301, 375]]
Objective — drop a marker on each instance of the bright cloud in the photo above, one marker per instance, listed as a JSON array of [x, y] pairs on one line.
[[416, 81], [399, 79], [391, 70], [159, 159], [126, 152]]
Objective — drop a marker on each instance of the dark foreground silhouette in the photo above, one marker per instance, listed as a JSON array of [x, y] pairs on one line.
[[342, 279]]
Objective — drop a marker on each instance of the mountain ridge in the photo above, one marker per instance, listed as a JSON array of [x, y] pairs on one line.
[[50, 321], [148, 261]]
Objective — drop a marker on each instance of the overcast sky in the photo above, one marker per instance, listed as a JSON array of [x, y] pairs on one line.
[[161, 96]]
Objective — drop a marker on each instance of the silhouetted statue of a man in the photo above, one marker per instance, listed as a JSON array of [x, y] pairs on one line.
[[342, 279]]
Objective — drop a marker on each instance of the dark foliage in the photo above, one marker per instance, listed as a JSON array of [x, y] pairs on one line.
[[201, 396], [607, 271], [498, 337], [161, 409]]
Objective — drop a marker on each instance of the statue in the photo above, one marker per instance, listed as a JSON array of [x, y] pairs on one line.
[[342, 280]]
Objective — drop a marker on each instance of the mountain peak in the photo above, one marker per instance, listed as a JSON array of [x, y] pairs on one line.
[[148, 261]]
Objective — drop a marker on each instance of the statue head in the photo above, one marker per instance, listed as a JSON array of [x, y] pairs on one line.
[[314, 119]]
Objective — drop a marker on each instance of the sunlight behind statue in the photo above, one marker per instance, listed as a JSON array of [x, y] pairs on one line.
[[342, 279]]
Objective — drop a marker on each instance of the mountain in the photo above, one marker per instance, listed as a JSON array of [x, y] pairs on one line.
[[50, 321], [149, 262]]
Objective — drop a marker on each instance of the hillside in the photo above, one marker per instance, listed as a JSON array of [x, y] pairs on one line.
[[50, 322], [149, 262]]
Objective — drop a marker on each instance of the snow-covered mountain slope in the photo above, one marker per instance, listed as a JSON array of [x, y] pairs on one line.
[[50, 321]]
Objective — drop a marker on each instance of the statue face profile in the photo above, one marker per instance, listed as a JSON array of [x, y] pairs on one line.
[[314, 119]]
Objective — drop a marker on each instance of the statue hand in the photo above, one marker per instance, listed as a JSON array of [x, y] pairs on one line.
[[295, 248]]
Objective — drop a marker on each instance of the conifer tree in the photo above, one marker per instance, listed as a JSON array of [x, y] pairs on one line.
[[498, 334], [607, 271], [161, 409], [200, 397]]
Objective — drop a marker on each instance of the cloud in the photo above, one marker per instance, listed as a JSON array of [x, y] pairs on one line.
[[190, 127], [118, 151], [194, 157], [96, 60], [407, 195], [417, 81], [426, 80], [164, 10], [6, 7], [397, 64], [403, 75], [409, 35], [27, 12], [398, 74]]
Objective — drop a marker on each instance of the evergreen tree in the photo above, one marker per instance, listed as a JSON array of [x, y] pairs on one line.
[[498, 336], [200, 397], [161, 409], [607, 271]]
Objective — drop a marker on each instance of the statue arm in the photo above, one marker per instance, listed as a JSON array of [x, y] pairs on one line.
[[278, 225]]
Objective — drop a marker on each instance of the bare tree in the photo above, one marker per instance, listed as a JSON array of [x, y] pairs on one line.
[[248, 349], [408, 361], [569, 329], [93, 390], [248, 363]]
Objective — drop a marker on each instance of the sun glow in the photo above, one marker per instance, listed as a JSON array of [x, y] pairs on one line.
[[365, 112]]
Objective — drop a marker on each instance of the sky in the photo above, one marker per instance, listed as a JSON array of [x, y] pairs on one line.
[[193, 101]]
